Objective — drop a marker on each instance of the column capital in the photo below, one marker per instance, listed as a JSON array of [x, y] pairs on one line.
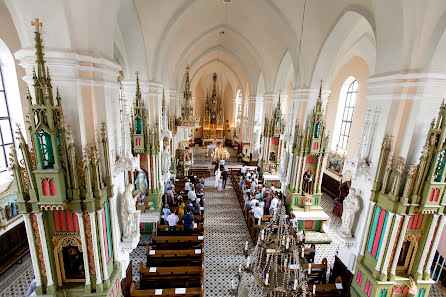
[[68, 67], [406, 86], [268, 97]]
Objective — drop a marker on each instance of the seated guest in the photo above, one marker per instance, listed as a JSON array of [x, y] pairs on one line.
[[166, 212], [167, 185], [172, 220], [188, 222], [200, 196], [197, 207], [258, 213], [191, 194], [199, 186], [187, 186], [189, 207]]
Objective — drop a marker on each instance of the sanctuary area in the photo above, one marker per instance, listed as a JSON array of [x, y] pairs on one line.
[[245, 148]]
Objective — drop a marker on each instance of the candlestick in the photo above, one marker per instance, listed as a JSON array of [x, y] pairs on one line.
[[246, 245], [309, 268], [303, 252], [314, 289], [262, 235], [266, 279], [247, 261], [295, 284], [287, 243], [240, 268], [232, 284]]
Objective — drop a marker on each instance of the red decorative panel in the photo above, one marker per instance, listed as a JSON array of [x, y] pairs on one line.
[[52, 187], [308, 224], [56, 220], [63, 221], [420, 221], [309, 160], [437, 193], [75, 223], [69, 221], [45, 187], [431, 197], [315, 145]]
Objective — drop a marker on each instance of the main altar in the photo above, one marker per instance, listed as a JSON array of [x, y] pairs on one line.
[[307, 167], [213, 119]]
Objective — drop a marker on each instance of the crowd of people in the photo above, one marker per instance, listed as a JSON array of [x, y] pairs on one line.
[[184, 205], [258, 198]]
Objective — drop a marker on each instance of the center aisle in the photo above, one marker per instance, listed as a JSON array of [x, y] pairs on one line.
[[225, 234]]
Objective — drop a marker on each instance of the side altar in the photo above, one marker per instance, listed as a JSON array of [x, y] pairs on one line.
[[146, 146], [308, 163], [272, 147]]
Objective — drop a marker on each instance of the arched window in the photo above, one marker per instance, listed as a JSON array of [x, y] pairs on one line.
[[344, 114], [6, 133]]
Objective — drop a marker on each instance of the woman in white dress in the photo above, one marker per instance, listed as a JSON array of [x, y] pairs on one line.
[[220, 185], [217, 176]]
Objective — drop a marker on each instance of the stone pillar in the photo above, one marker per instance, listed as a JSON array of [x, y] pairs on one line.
[[399, 244], [251, 121], [391, 243], [46, 259], [32, 248], [94, 241], [427, 244], [114, 226], [101, 241], [80, 220]]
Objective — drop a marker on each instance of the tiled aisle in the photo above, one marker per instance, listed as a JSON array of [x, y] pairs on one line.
[[225, 234]]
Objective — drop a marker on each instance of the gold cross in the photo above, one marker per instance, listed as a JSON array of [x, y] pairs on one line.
[[36, 23]]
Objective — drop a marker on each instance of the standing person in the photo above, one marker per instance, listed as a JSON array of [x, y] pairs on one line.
[[243, 170], [191, 195], [187, 186], [220, 185], [171, 195], [172, 220], [188, 222], [224, 175], [181, 206], [274, 204], [166, 212], [217, 176], [258, 213]]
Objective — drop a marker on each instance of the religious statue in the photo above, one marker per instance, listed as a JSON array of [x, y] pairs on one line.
[[307, 182], [141, 183], [129, 214], [166, 160], [351, 206]]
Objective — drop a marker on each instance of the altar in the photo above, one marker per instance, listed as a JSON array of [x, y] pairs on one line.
[[272, 180]]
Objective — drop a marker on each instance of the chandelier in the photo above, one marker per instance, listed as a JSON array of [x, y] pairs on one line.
[[275, 266], [220, 153]]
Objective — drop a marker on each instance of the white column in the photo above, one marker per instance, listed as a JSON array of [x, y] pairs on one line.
[[46, 258], [80, 220], [149, 173], [391, 243], [384, 242], [368, 220], [101, 240], [435, 244], [427, 244], [32, 248], [400, 243], [324, 162], [302, 175], [114, 224], [94, 241]]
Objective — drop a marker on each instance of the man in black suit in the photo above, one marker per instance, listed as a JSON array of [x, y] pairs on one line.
[[224, 175]]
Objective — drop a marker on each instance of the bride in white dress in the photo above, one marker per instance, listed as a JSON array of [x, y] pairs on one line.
[[217, 176]]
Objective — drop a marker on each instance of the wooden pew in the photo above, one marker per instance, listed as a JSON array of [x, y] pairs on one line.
[[170, 292], [176, 242], [162, 230], [169, 258], [325, 290], [168, 277]]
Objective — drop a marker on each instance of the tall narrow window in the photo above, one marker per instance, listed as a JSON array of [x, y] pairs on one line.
[[347, 115], [6, 134], [344, 115]]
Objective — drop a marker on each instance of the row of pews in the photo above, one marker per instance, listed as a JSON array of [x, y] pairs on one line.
[[318, 271], [174, 263]]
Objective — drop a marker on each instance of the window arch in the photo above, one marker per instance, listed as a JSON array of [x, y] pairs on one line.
[[344, 114], [10, 114]]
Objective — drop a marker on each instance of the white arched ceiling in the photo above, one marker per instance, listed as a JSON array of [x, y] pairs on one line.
[[130, 42], [436, 52], [351, 36], [285, 74]]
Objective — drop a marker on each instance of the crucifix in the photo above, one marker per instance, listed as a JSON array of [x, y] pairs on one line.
[[37, 24]]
